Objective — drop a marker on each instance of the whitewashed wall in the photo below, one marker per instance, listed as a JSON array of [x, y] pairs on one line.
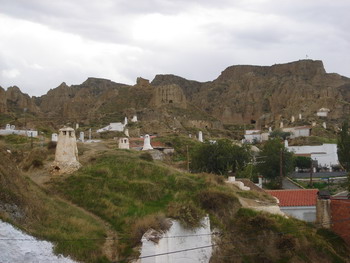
[[178, 238]]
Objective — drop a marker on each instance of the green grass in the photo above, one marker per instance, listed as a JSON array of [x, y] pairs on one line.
[[122, 188]]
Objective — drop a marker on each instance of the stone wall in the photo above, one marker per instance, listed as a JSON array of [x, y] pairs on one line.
[[323, 212]]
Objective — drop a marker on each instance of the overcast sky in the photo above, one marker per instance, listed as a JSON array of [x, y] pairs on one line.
[[44, 43]]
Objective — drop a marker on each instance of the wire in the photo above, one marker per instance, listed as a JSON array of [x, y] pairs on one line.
[[180, 236]]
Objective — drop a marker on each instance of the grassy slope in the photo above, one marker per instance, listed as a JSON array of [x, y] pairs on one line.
[[133, 195], [127, 191], [48, 217]]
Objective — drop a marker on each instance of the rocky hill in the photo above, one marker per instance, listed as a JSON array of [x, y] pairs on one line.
[[263, 95]]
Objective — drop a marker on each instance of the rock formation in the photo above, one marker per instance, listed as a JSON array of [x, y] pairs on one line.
[[259, 95]]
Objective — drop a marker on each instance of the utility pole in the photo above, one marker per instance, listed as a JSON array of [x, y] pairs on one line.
[[281, 167], [25, 119], [188, 159], [311, 173]]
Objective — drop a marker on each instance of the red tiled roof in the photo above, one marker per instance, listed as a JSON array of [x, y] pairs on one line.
[[297, 197]]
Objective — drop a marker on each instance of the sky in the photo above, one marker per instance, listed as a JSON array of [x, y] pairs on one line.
[[44, 43]]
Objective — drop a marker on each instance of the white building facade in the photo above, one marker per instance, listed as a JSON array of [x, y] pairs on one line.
[[326, 154]]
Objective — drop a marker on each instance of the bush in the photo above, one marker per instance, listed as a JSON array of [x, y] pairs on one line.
[[51, 145], [188, 214], [146, 157], [157, 222]]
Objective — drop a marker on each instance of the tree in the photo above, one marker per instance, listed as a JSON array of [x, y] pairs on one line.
[[302, 162], [273, 154], [279, 134], [219, 157], [344, 150]]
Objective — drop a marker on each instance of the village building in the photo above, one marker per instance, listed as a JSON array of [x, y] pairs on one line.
[[11, 129], [300, 131], [326, 154], [252, 136], [124, 143], [113, 126], [323, 112], [66, 156], [298, 203], [54, 137]]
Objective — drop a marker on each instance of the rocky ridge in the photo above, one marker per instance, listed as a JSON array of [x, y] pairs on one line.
[[264, 95]]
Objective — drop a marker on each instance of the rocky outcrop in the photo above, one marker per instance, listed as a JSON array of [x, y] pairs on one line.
[[169, 94], [264, 95], [13, 100], [3, 106]]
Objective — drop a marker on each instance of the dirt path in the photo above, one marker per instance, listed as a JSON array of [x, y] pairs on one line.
[[109, 248]]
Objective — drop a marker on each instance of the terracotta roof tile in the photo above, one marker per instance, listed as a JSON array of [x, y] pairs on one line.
[[297, 197]]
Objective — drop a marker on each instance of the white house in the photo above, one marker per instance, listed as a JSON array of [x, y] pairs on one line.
[[251, 136], [300, 131], [323, 112], [298, 203], [325, 154], [11, 129], [113, 126]]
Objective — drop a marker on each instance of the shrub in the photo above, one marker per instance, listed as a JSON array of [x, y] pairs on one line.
[[188, 214], [51, 145], [146, 157], [157, 222]]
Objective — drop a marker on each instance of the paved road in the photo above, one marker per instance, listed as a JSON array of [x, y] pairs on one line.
[[287, 184], [318, 175]]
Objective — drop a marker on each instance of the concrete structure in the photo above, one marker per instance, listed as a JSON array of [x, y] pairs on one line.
[[300, 131], [239, 184], [11, 129], [200, 136], [54, 137], [147, 143], [125, 121], [300, 116], [82, 136], [324, 125], [281, 124], [323, 212], [298, 203], [113, 126], [323, 112], [175, 239], [134, 118], [124, 143], [292, 119], [326, 154], [251, 136], [66, 157], [126, 132]]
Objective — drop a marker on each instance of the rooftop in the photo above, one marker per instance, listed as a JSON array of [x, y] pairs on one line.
[[296, 197]]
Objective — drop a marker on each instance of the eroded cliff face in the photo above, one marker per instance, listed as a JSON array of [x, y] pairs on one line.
[[3, 106], [241, 94], [13, 100], [246, 94], [169, 94]]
